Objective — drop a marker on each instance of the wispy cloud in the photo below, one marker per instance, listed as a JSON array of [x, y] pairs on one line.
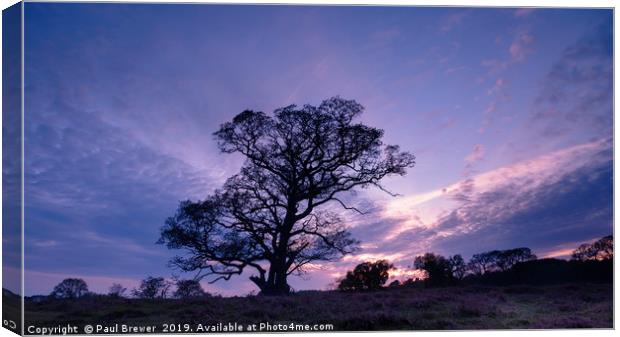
[[452, 20], [507, 202], [476, 155], [521, 46], [563, 250], [125, 245], [577, 92]]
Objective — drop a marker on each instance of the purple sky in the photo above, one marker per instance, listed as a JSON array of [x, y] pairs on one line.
[[508, 111]]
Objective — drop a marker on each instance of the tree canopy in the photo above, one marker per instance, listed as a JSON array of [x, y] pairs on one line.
[[437, 268], [70, 288], [602, 249], [499, 260], [152, 287], [366, 276], [188, 289], [271, 215]]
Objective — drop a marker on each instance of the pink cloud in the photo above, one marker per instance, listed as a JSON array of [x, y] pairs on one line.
[[564, 250], [497, 87], [491, 108], [521, 46], [529, 174], [477, 154]]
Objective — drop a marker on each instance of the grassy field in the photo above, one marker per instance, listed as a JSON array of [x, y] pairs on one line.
[[469, 307]]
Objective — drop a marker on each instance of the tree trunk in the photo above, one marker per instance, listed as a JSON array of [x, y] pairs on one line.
[[276, 283], [277, 286]]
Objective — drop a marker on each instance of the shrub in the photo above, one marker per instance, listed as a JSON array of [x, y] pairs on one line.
[[366, 276]]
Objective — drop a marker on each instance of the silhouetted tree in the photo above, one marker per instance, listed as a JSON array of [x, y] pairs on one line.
[[437, 268], [602, 249], [189, 289], [152, 287], [499, 260], [70, 288], [271, 213], [480, 263], [366, 276], [117, 290], [458, 267], [505, 259]]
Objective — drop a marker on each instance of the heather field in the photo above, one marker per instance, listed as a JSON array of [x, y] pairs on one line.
[[451, 308]]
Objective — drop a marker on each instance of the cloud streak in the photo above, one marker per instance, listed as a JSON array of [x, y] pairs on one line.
[[500, 206], [577, 93]]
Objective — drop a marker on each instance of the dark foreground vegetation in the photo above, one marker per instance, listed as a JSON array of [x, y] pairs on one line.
[[576, 305], [11, 310]]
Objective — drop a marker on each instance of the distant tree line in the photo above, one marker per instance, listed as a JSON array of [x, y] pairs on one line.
[[602, 249], [589, 262], [442, 271], [149, 288], [592, 262]]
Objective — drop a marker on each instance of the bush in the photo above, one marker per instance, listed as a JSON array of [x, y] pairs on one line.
[[366, 276]]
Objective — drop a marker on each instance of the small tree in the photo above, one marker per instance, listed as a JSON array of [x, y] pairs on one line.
[[483, 262], [437, 267], [366, 276], [70, 288], [458, 268], [152, 287], [602, 249], [117, 291], [189, 289]]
